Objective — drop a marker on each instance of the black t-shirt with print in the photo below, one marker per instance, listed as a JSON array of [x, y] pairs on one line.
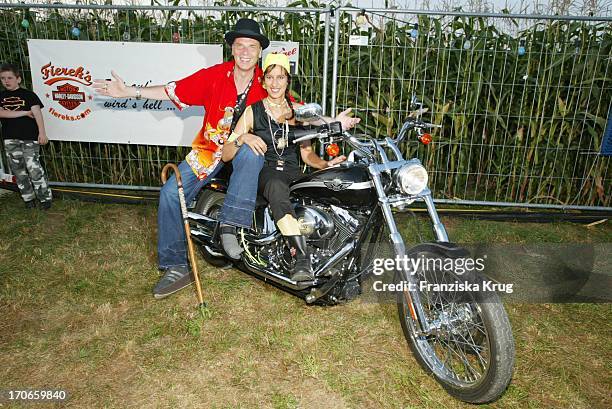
[[24, 127]]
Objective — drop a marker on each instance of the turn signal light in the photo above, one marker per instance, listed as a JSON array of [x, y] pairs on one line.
[[425, 138], [332, 149]]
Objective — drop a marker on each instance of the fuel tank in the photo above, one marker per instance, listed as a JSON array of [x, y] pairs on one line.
[[347, 185]]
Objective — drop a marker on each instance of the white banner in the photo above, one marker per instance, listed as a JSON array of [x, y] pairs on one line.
[[290, 48], [63, 72]]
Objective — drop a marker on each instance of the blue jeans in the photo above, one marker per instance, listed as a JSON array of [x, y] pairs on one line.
[[237, 209], [241, 195], [171, 239]]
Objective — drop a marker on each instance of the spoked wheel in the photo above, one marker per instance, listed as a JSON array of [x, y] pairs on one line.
[[469, 348], [209, 204]]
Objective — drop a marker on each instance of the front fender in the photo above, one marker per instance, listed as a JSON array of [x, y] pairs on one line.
[[443, 249]]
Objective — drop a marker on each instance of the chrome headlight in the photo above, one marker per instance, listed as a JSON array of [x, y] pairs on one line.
[[412, 179]]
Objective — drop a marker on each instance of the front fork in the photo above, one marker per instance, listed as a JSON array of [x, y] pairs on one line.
[[413, 297], [438, 227]]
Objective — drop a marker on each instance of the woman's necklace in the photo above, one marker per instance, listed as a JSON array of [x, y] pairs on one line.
[[283, 103], [280, 143]]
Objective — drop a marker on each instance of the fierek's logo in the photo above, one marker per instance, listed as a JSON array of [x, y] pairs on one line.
[[52, 74], [68, 96]]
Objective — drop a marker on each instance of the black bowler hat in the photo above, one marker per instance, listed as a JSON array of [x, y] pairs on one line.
[[245, 27]]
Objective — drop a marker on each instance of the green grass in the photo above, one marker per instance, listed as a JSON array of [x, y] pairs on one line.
[[77, 314]]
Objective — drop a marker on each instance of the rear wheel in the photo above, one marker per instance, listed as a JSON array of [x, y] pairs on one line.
[[209, 204], [470, 348]]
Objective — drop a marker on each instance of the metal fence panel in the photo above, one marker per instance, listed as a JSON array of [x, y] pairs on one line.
[[523, 100], [140, 165]]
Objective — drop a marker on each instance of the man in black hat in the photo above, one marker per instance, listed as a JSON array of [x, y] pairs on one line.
[[224, 90]]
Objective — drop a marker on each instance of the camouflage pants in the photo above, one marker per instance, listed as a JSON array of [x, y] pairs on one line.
[[23, 158]]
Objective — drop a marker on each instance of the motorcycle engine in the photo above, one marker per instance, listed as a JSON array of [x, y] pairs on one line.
[[328, 231], [315, 223], [326, 228]]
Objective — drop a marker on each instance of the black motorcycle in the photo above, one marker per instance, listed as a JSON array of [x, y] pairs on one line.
[[347, 214]]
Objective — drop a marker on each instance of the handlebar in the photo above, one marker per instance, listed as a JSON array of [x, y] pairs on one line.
[[305, 134], [308, 136], [322, 131], [415, 123], [365, 146]]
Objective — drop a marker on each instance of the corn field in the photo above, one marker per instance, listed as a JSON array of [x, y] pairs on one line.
[[523, 102]]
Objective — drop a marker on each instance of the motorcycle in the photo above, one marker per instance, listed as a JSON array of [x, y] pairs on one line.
[[346, 212]]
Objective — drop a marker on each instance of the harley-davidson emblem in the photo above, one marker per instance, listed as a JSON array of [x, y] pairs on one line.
[[68, 96], [337, 184], [12, 103]]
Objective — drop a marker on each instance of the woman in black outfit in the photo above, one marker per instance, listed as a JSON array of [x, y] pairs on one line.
[[267, 127]]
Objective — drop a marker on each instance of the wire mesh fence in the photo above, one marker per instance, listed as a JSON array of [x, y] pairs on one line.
[[140, 165], [523, 100]]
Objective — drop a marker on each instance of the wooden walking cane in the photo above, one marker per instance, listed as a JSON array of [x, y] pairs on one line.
[[190, 251]]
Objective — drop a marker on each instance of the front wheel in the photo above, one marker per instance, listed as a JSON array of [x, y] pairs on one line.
[[469, 348]]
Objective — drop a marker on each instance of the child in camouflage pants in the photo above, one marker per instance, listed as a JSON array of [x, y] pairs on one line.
[[23, 131]]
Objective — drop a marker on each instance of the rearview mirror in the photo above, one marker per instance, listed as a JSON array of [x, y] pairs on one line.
[[308, 112], [414, 102]]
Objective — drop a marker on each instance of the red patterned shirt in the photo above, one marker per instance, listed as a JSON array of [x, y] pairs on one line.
[[215, 90]]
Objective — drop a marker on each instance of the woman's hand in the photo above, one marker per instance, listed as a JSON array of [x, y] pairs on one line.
[[257, 145], [336, 160], [347, 121], [112, 88]]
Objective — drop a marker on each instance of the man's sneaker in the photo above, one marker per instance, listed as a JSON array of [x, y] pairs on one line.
[[229, 241], [175, 279], [45, 205], [30, 204]]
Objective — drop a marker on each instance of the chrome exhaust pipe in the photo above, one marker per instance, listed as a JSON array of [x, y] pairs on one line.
[[300, 285], [268, 274], [202, 227]]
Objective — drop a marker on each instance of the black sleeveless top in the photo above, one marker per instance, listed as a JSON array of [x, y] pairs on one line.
[[261, 128]]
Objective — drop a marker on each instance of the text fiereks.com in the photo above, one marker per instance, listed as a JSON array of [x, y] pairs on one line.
[[422, 264]]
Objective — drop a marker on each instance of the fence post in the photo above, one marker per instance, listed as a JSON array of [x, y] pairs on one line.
[[335, 66], [325, 62]]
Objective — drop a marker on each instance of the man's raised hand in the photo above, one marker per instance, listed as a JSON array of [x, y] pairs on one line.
[[111, 87]]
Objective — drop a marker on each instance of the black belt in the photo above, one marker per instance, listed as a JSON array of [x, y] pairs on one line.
[[280, 164]]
